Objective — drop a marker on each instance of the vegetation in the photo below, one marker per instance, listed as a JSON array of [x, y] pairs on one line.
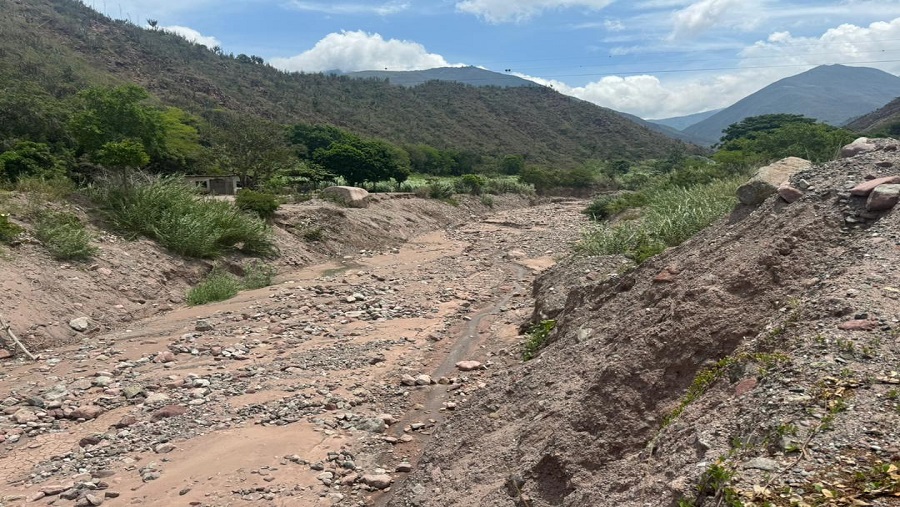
[[263, 204], [537, 338], [217, 286], [760, 139], [64, 236], [257, 275], [8, 230], [170, 212]]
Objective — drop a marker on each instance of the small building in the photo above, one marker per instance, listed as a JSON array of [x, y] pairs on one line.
[[215, 185]]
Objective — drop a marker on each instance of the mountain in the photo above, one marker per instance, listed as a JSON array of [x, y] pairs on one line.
[[51, 49], [830, 93], [885, 120], [465, 75], [683, 122], [665, 130]]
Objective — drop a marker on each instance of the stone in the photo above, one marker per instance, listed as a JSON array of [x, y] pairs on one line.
[[668, 275], [163, 357], [93, 499], [102, 381], [156, 398], [789, 193], [883, 197], [377, 481], [203, 325], [5, 354], [133, 391], [87, 412], [348, 196], [25, 416], [126, 421], [423, 380], [767, 180], [468, 365], [167, 412], [404, 467], [745, 386], [80, 324], [164, 448], [55, 489], [866, 187], [407, 380], [860, 145], [766, 464], [858, 325]]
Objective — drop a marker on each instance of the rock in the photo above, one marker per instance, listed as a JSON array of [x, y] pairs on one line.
[[789, 193], [167, 412], [858, 325], [163, 357], [133, 391], [516, 254], [468, 365], [861, 145], [865, 188], [25, 416], [101, 381], [93, 499], [379, 481], [156, 398], [164, 448], [55, 489], [87, 412], [388, 419], [126, 421], [668, 275], [5, 354], [404, 467], [883, 197], [88, 441], [407, 380], [769, 465], [769, 178], [423, 380], [348, 196], [80, 324], [203, 325]]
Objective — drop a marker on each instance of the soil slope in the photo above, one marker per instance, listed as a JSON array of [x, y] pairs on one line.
[[765, 348]]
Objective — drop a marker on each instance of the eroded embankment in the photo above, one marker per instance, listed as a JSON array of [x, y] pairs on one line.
[[713, 350]]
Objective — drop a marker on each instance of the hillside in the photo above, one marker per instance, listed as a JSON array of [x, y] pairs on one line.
[[683, 122], [829, 93], [465, 75], [53, 48], [879, 121]]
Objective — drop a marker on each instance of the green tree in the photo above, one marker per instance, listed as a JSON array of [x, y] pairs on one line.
[[345, 161], [816, 142], [512, 164], [27, 158], [123, 156], [251, 148], [751, 127]]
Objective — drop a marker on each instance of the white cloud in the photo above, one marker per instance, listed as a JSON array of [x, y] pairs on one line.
[[779, 56], [139, 10], [385, 9], [504, 11], [353, 51], [192, 35], [705, 14]]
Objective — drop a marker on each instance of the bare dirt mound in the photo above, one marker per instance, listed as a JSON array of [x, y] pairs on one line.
[[755, 363]]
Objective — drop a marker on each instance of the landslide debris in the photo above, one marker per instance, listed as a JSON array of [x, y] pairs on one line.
[[755, 364]]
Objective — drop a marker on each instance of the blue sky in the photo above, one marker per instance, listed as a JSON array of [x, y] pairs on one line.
[[653, 58]]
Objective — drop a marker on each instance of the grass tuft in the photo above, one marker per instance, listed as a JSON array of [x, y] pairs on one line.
[[217, 286], [537, 338], [64, 236]]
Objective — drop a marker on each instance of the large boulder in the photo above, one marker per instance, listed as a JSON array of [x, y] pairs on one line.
[[861, 145], [769, 178], [883, 197], [353, 197]]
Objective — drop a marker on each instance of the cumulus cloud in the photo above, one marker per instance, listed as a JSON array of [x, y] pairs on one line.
[[505, 11], [192, 35], [705, 14], [778, 56], [354, 51]]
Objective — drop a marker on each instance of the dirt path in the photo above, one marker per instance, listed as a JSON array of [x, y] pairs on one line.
[[296, 394]]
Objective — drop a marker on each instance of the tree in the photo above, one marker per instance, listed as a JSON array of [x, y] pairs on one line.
[[123, 156], [345, 161], [27, 158], [512, 164], [755, 125], [251, 148], [816, 142]]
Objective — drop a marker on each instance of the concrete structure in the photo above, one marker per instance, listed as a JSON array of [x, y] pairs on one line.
[[215, 185]]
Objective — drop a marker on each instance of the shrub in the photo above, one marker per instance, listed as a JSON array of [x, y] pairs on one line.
[[537, 337], [487, 200], [217, 286], [257, 275], [8, 230], [609, 205], [64, 236], [497, 186], [263, 204], [170, 212], [314, 234], [54, 189], [671, 216], [470, 184], [440, 190]]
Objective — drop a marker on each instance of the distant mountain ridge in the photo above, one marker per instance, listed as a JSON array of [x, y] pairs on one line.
[[833, 94], [885, 120], [683, 122], [466, 75]]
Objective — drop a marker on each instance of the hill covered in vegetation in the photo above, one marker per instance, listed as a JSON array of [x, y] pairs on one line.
[[51, 49], [884, 120]]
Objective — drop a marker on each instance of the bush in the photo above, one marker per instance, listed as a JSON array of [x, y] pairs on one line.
[[217, 286], [609, 205], [170, 212], [53, 189], [263, 204], [258, 275], [671, 216], [8, 230], [64, 236], [470, 184], [537, 338], [497, 186]]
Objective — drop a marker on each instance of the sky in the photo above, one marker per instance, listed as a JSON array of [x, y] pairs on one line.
[[651, 58]]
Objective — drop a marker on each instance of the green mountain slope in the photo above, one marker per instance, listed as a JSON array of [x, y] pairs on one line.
[[465, 75], [832, 94], [56, 47], [884, 120]]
